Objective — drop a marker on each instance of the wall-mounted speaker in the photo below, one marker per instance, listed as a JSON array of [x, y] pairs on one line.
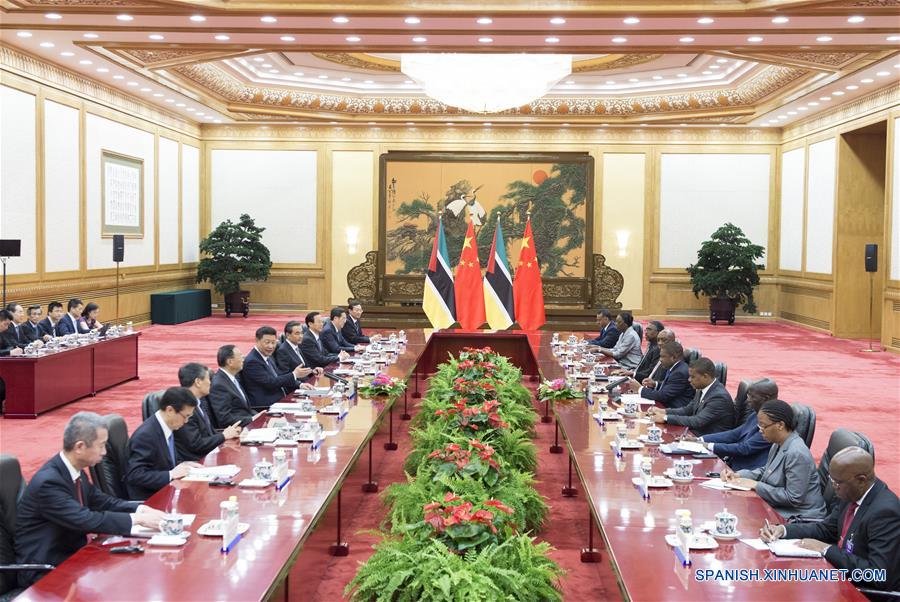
[[10, 247], [871, 257], [118, 247]]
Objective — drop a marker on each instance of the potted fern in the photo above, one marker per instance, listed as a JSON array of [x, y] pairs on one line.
[[234, 253], [726, 272]]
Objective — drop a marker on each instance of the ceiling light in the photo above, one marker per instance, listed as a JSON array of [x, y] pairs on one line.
[[222, 37], [782, 117], [705, 20], [721, 61], [323, 76], [158, 95], [66, 53], [565, 125], [450, 123], [484, 20], [686, 40], [682, 75], [346, 79], [633, 80], [419, 40], [715, 67], [24, 34], [893, 38], [631, 20], [780, 20], [298, 73], [485, 40], [145, 90], [190, 109], [856, 19], [90, 36], [47, 44], [755, 39], [340, 20], [812, 104], [132, 84], [867, 80], [352, 39], [883, 73], [118, 77], [557, 21], [657, 77], [198, 18], [610, 82], [792, 112], [217, 121], [274, 71], [258, 59], [201, 114], [412, 20], [802, 109], [368, 81], [824, 98], [85, 62], [102, 70], [53, 16], [707, 73], [268, 19], [570, 81], [124, 18], [179, 105], [619, 40], [824, 39], [156, 36], [287, 38], [837, 93], [551, 40], [266, 66]]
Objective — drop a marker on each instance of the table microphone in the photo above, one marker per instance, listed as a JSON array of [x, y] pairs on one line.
[[612, 385], [333, 376]]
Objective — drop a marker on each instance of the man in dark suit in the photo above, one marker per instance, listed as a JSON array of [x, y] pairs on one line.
[[674, 390], [71, 322], [8, 344], [651, 356], [49, 326], [609, 334], [711, 410], [331, 335], [31, 328], [288, 355], [152, 461], [262, 382], [61, 506], [312, 347], [744, 447], [227, 399], [352, 329], [198, 436], [861, 531], [16, 334]]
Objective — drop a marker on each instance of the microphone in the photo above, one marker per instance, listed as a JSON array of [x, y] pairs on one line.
[[612, 385], [333, 376]]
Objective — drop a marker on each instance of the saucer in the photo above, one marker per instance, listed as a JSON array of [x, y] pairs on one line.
[[655, 482], [670, 472], [647, 441], [718, 535]]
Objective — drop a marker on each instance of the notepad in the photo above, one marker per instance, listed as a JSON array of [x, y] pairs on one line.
[[785, 548], [212, 472], [721, 485], [262, 435]]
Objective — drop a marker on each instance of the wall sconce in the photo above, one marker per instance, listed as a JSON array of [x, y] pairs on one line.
[[622, 242], [352, 233]]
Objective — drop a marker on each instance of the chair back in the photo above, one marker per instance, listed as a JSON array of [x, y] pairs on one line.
[[805, 419], [840, 439], [150, 403], [722, 372], [690, 355], [639, 330], [12, 486], [109, 474]]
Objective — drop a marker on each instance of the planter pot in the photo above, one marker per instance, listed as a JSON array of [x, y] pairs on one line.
[[237, 302], [721, 308]]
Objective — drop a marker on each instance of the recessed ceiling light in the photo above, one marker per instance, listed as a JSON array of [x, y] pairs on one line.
[[686, 40], [158, 95], [450, 123], [340, 20], [610, 82], [619, 40], [782, 117], [268, 19], [682, 75], [298, 73], [132, 84], [867, 80], [124, 17], [802, 108], [485, 40], [721, 61], [217, 121], [274, 71], [483, 21], [102, 70], [47, 44], [631, 20], [570, 81], [633, 80], [705, 20], [66, 53], [323, 76], [565, 125], [346, 79], [780, 20], [792, 112], [412, 20], [657, 77], [146, 90], [812, 104], [90, 36], [53, 16], [222, 37], [368, 81], [557, 21], [409, 82], [85, 62], [201, 114], [755, 39], [171, 100], [707, 73], [287, 38], [837, 93], [352, 39], [883, 73], [24, 34], [551, 40], [715, 67], [198, 18], [893, 38], [258, 59], [179, 105], [419, 40], [856, 19], [824, 39], [190, 109], [118, 77], [156, 36]]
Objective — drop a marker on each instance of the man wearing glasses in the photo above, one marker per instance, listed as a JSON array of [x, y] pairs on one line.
[[862, 531], [151, 449]]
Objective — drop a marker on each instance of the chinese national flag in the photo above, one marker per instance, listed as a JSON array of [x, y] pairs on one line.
[[528, 293], [469, 290]]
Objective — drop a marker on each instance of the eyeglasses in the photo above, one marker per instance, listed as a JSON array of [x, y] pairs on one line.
[[763, 427], [836, 483], [186, 418]]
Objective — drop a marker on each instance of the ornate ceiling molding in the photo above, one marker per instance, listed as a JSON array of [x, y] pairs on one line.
[[153, 58], [886, 98]]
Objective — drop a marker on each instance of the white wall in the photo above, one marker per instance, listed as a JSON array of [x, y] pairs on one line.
[[895, 206], [62, 183], [820, 179], [102, 134], [190, 203], [701, 192], [623, 196], [168, 201], [349, 209], [18, 186], [792, 179], [277, 189]]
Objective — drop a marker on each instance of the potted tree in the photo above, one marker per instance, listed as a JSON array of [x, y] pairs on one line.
[[234, 253], [726, 272]]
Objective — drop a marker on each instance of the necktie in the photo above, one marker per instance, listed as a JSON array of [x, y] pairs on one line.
[[269, 366], [300, 355], [203, 417], [78, 493], [848, 518], [171, 442], [237, 386], [665, 378]]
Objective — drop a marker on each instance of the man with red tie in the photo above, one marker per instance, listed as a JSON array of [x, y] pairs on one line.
[[862, 531]]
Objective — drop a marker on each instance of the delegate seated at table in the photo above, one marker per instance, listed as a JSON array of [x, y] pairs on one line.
[[627, 350], [198, 436], [674, 390], [712, 409], [744, 447]]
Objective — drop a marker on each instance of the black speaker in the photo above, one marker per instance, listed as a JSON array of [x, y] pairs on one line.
[[871, 257], [118, 247], [10, 247]]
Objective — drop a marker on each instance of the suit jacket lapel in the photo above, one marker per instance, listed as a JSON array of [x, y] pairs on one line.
[[863, 508]]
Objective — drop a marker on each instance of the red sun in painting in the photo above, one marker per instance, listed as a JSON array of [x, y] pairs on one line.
[[539, 176]]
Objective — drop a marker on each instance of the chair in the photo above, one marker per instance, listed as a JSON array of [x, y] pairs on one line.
[[639, 330], [722, 372], [12, 486], [840, 439], [150, 404], [741, 407], [691, 354], [109, 474], [805, 422]]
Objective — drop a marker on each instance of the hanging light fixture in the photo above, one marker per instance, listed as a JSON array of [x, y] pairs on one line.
[[486, 83]]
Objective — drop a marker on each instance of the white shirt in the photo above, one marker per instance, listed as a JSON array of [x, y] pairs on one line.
[[73, 472], [236, 383], [74, 323], [705, 390], [860, 500], [167, 432]]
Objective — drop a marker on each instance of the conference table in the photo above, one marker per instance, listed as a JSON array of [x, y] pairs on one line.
[[281, 521], [39, 383]]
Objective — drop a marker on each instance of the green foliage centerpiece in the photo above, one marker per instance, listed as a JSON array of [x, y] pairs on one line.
[[382, 384]]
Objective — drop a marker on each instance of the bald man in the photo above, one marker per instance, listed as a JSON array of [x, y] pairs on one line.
[[862, 531]]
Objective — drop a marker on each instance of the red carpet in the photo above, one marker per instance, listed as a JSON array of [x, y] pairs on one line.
[[846, 388]]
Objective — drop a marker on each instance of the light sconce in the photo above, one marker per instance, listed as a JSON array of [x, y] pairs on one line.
[[352, 233], [622, 242]]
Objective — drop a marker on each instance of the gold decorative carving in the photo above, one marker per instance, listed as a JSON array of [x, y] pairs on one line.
[[563, 293], [885, 98], [617, 62], [606, 284], [824, 59], [362, 279], [358, 60], [412, 289]]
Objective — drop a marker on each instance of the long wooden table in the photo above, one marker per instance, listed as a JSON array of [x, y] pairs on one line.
[[40, 383]]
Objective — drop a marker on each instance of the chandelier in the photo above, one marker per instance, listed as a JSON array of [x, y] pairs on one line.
[[486, 83]]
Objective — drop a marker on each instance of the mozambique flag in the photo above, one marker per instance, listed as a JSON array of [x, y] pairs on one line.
[[469, 296], [498, 292], [438, 299], [527, 287]]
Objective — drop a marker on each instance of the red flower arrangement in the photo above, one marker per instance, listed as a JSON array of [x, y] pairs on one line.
[[475, 419], [462, 525], [476, 459]]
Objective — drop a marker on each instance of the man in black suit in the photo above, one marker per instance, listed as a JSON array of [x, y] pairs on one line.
[[227, 398], [331, 335], [8, 344], [711, 410], [31, 329], [49, 326], [16, 334], [674, 390], [609, 334], [71, 321], [151, 450], [312, 347], [262, 382], [61, 506], [352, 329], [198, 436], [861, 531], [288, 355]]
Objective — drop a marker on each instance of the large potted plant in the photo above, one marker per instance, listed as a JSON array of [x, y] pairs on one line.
[[726, 272], [234, 253]]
